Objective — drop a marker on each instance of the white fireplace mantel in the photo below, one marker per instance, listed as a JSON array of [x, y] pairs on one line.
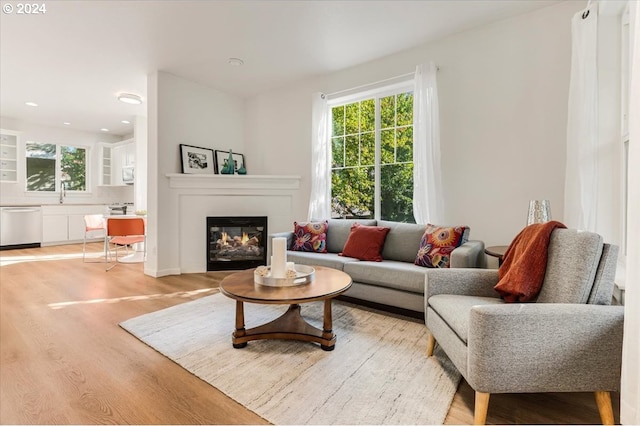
[[233, 182], [194, 197]]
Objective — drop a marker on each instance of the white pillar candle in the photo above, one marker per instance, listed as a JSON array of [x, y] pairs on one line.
[[291, 266], [279, 258]]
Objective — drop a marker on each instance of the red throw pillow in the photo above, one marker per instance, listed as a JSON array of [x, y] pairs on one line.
[[365, 242]]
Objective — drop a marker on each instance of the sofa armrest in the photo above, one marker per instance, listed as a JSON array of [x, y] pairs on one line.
[[469, 255], [462, 281], [545, 347], [288, 235]]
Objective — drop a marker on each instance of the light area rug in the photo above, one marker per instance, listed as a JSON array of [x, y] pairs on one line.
[[378, 372]]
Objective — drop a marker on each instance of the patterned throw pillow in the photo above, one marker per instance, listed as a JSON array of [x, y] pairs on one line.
[[365, 242], [437, 244], [310, 236]]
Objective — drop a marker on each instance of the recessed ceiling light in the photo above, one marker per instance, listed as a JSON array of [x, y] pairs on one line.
[[104, 129], [66, 123], [125, 122], [129, 98], [236, 62], [33, 104]]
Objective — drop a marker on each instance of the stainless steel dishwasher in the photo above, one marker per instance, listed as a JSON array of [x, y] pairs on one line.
[[20, 227]]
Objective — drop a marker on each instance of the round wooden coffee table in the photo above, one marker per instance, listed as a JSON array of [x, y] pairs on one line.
[[328, 284]]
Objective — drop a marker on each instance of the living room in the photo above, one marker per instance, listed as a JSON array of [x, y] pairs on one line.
[[503, 91]]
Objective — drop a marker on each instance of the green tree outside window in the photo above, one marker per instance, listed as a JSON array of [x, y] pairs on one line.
[[43, 160], [353, 180]]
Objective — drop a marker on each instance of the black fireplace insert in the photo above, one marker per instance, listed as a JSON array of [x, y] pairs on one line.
[[236, 242]]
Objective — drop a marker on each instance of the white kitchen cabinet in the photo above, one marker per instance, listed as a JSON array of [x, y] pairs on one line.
[[122, 155], [76, 227], [105, 165], [65, 224], [113, 157], [9, 156], [129, 159], [55, 224], [55, 228]]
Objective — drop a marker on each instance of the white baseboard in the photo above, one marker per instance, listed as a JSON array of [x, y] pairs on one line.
[[157, 273]]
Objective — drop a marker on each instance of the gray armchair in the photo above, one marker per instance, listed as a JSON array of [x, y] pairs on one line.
[[569, 340]]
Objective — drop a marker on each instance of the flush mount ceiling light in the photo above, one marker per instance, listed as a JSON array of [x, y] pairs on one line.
[[236, 62], [66, 123], [104, 129], [129, 98], [125, 122], [33, 104]]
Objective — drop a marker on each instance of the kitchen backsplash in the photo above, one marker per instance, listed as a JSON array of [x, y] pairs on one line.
[[100, 195]]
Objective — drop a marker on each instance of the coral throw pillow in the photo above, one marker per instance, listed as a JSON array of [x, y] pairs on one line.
[[437, 244], [365, 242], [310, 236]]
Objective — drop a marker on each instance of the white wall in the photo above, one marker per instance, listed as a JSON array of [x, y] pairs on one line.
[[181, 112], [503, 107], [15, 194]]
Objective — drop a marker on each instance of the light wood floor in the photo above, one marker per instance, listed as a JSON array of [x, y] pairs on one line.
[[64, 360]]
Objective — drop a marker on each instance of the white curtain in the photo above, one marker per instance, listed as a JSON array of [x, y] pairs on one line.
[[428, 204], [320, 199], [582, 124], [630, 390]]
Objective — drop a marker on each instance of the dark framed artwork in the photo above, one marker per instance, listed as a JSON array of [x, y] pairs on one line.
[[196, 159], [222, 158]]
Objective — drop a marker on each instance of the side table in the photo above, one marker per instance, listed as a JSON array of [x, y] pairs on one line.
[[496, 251]]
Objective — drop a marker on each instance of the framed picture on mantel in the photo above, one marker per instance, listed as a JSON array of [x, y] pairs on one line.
[[222, 158], [196, 160]]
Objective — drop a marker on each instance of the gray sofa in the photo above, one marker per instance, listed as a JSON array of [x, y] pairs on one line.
[[395, 281]]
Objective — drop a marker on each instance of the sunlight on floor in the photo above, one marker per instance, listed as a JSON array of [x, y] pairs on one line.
[[10, 260], [183, 294]]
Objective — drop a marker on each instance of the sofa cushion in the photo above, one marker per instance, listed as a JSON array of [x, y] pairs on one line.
[[339, 230], [310, 236], [329, 260], [403, 240], [572, 260], [437, 243], [365, 242], [454, 310], [389, 273]]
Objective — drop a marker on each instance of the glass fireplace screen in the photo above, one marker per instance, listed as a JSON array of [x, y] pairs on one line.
[[236, 242]]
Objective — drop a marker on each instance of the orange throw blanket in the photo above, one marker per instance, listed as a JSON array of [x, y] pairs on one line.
[[525, 263]]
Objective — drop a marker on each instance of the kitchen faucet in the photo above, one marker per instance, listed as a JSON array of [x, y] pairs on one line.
[[62, 192]]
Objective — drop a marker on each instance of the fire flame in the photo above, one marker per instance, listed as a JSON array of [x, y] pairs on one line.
[[224, 239]]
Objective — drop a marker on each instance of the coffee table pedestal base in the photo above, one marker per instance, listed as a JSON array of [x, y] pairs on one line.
[[289, 326]]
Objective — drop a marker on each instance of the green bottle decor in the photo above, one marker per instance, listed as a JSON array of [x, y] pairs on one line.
[[242, 170], [229, 166]]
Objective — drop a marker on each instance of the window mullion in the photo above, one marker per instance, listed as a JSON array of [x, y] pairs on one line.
[[378, 157], [58, 180]]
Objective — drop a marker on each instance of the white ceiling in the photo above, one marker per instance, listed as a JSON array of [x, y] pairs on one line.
[[74, 59]]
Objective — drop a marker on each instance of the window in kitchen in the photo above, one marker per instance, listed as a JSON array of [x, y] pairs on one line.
[[372, 156], [50, 166]]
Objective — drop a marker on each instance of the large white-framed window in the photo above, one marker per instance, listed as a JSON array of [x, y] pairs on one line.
[[372, 154], [51, 167]]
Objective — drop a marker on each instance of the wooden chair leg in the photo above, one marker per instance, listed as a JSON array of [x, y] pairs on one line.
[[482, 405], [431, 344], [603, 400]]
